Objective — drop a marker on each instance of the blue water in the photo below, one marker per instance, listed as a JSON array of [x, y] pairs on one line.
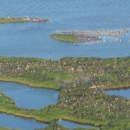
[[30, 98], [73, 125], [11, 121], [27, 97], [121, 92], [33, 39]]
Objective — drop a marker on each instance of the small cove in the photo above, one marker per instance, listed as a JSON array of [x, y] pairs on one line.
[[28, 97]]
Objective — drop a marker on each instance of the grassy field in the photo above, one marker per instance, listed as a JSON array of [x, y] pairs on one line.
[[10, 20], [65, 37]]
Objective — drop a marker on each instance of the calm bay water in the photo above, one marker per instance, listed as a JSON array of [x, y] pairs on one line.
[[33, 39]]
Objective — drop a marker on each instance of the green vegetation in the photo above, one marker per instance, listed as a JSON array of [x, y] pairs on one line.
[[53, 125], [80, 128], [81, 82], [65, 37], [2, 128], [102, 73], [79, 103], [11, 20]]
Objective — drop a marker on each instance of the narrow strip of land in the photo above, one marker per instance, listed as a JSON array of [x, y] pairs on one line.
[[21, 20]]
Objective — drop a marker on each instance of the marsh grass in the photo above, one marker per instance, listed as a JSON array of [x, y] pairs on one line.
[[65, 37], [10, 20]]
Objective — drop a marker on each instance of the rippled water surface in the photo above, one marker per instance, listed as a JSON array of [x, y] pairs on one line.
[[33, 39]]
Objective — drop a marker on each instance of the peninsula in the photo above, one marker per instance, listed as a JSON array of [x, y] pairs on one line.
[[81, 83]]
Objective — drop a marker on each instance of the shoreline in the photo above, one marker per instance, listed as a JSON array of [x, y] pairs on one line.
[[54, 88], [43, 120], [85, 122], [118, 88], [26, 117], [58, 111], [30, 85]]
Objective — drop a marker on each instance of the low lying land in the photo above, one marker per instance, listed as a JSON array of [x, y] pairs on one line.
[[21, 20], [74, 38], [81, 83], [11, 20], [109, 73]]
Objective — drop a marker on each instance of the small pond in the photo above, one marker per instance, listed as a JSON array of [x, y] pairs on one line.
[[120, 92], [28, 97]]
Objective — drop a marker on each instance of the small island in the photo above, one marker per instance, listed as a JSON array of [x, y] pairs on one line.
[[21, 20], [116, 32], [87, 35], [74, 38]]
